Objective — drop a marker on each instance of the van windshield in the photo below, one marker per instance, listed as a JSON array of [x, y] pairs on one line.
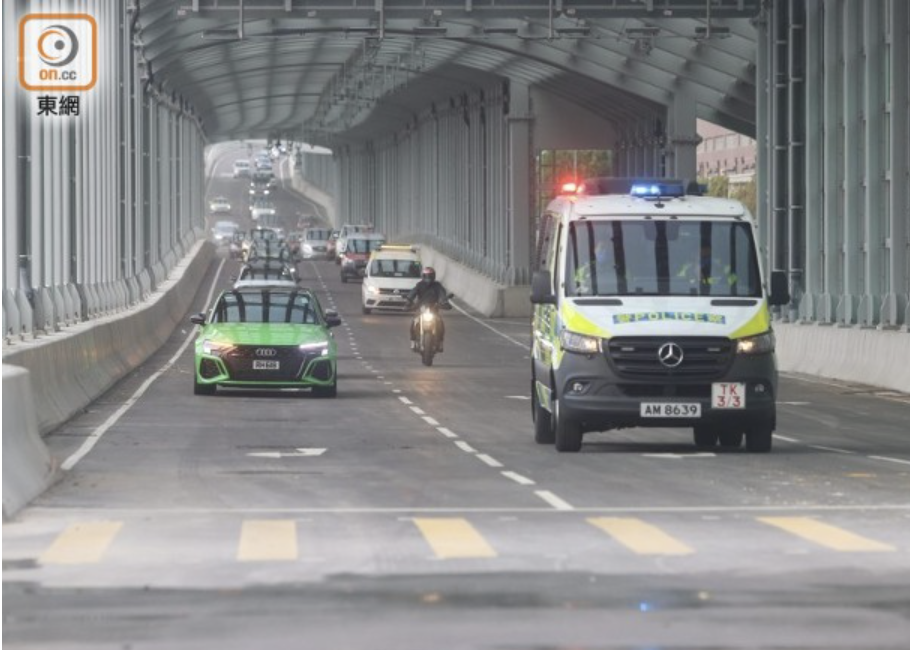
[[661, 258]]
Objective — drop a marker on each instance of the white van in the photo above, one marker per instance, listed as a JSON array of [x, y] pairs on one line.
[[650, 310], [391, 273], [314, 243], [241, 168], [346, 231]]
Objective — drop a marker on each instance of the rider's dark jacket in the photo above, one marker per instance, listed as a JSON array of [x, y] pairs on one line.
[[428, 293]]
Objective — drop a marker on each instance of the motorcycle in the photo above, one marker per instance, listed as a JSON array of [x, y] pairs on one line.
[[428, 326]]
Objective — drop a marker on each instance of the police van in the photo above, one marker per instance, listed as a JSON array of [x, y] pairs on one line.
[[650, 310]]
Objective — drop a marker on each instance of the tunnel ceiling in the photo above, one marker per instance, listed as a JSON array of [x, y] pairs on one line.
[[346, 72]]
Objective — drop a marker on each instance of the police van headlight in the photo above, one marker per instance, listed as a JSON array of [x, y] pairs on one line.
[[761, 344], [581, 343]]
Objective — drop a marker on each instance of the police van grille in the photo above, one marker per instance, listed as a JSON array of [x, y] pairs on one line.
[[637, 357]]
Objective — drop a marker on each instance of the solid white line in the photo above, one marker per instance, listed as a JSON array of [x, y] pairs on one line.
[[430, 421], [553, 500], [785, 438], [446, 432], [891, 460], [461, 444], [490, 327], [489, 460], [95, 436], [518, 478], [834, 449], [405, 400], [418, 410]]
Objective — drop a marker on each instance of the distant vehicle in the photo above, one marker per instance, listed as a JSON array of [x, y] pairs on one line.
[[259, 236], [391, 273], [346, 231], [261, 208], [266, 338], [219, 204], [331, 246], [241, 168], [359, 247], [266, 273], [223, 232], [314, 243], [261, 183]]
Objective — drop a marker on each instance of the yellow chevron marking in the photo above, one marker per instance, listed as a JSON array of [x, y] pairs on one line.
[[826, 535], [640, 537], [84, 543], [454, 538], [267, 541]]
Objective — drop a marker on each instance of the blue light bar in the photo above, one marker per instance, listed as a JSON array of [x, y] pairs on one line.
[[657, 190]]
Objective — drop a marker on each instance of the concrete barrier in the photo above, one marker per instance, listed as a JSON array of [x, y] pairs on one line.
[[855, 355], [72, 368], [27, 465]]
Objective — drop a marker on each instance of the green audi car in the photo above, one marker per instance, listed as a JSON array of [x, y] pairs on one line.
[[266, 338]]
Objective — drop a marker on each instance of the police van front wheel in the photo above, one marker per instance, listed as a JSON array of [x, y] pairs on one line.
[[567, 433], [758, 438], [543, 421]]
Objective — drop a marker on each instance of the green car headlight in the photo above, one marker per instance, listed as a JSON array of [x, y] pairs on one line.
[[581, 343], [322, 348], [761, 344], [217, 349]]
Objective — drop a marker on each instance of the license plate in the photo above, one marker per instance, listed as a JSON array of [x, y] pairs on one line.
[[670, 410], [728, 395], [259, 364]]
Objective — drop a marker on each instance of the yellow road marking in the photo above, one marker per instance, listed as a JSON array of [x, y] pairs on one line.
[[640, 537], [454, 538], [825, 534], [264, 540], [83, 543]]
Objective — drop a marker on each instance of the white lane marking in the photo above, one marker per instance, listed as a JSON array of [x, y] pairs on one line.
[[404, 400], [418, 410], [489, 460], [785, 438], [300, 453], [461, 444], [518, 478], [396, 390], [95, 436], [380, 377], [553, 500], [834, 449], [430, 421], [518, 397], [891, 460], [490, 327], [446, 432]]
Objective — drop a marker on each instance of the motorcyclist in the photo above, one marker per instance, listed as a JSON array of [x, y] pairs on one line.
[[428, 292]]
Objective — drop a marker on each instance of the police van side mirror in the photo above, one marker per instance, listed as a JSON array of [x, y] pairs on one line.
[[780, 292], [542, 289]]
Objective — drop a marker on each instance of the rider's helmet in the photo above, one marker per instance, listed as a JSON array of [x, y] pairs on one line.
[[428, 274]]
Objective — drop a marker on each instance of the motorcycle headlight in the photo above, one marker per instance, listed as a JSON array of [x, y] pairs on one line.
[[581, 343], [217, 349], [761, 344], [427, 316]]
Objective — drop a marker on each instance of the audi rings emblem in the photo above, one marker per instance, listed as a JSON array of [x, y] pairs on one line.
[[266, 352], [670, 355]]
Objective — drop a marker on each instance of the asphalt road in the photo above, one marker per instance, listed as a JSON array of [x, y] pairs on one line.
[[415, 510]]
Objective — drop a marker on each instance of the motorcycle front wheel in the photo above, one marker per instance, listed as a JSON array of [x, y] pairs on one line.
[[427, 348]]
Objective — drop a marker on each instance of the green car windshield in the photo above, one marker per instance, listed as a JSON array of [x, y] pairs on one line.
[[266, 307]]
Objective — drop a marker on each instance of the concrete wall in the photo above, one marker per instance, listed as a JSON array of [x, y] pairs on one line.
[[71, 369]]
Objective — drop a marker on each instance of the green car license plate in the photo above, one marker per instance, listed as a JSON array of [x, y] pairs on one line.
[[259, 364]]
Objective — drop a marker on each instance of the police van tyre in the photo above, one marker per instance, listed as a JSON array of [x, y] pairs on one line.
[[731, 439], [203, 389], [758, 438], [366, 310], [544, 433], [705, 436], [567, 433]]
